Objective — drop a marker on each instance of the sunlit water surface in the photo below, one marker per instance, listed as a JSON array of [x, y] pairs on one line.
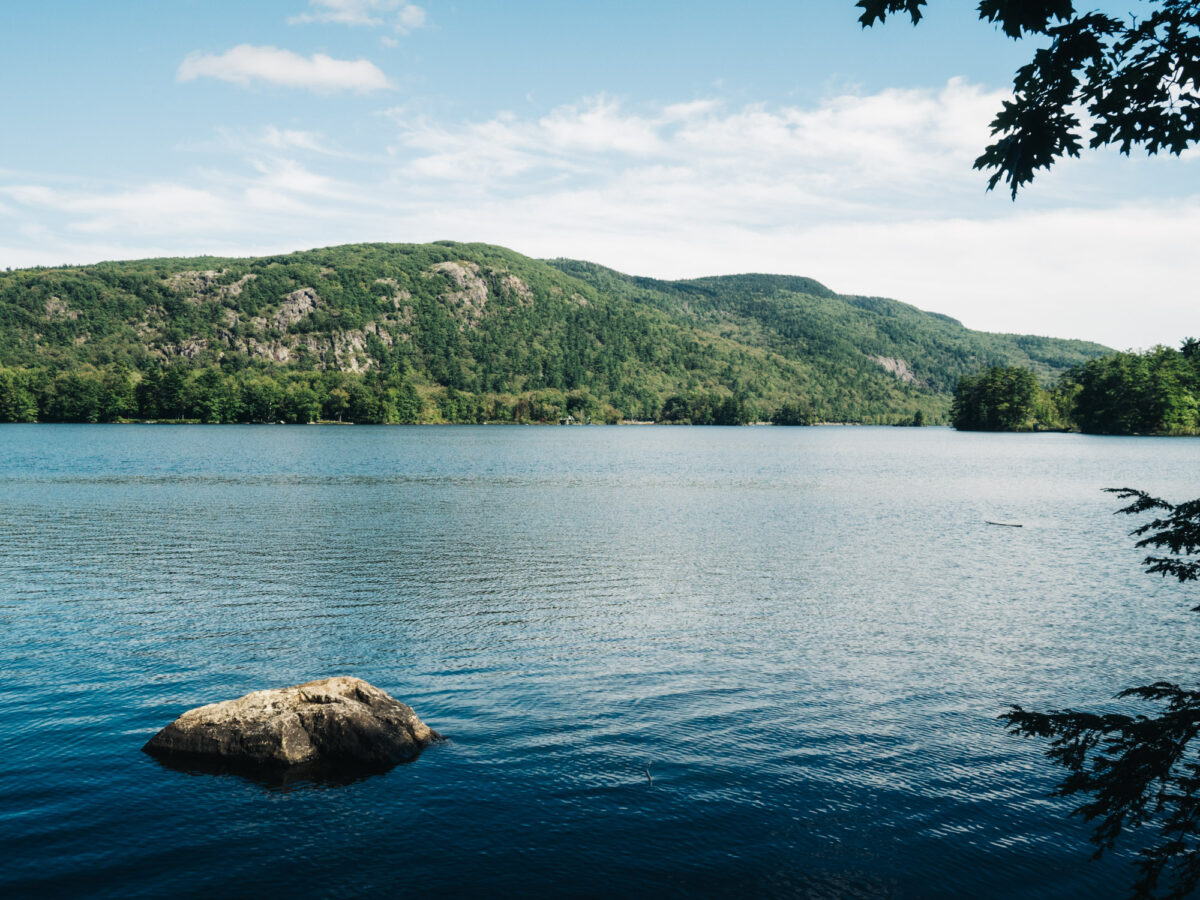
[[803, 637]]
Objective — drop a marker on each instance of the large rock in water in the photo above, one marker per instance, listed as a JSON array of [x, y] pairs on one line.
[[343, 722]]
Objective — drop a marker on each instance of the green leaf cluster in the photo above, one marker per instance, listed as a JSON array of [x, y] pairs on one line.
[[1136, 77]]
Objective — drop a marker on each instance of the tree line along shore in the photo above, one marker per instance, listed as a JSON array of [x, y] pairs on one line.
[[209, 396], [1154, 392]]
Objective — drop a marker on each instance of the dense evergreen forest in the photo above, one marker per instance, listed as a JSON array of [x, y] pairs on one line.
[[1156, 392], [446, 332]]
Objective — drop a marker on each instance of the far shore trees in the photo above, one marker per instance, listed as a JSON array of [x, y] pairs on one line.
[[1001, 398], [1156, 392]]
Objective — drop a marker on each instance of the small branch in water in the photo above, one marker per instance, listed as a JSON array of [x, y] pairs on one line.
[[1004, 524], [648, 778]]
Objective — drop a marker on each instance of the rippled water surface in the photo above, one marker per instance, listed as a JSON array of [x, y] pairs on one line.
[[805, 635]]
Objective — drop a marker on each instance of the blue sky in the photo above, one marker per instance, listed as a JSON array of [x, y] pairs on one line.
[[660, 138]]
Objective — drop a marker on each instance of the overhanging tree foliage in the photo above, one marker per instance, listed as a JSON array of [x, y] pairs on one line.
[[1138, 771], [1137, 80]]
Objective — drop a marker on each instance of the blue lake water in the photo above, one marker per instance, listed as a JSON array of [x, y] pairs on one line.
[[805, 634]]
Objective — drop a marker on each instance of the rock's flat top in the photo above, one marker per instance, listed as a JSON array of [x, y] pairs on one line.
[[336, 721]]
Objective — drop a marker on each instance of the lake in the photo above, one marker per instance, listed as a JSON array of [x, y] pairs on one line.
[[803, 635]]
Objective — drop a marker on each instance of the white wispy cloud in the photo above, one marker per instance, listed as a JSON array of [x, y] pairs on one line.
[[273, 141], [410, 18], [288, 139], [403, 16], [164, 207], [246, 64], [283, 141], [847, 147]]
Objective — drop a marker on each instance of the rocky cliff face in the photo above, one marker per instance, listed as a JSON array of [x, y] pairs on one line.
[[897, 367], [467, 288]]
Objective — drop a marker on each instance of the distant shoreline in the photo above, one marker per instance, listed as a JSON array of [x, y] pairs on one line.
[[334, 423]]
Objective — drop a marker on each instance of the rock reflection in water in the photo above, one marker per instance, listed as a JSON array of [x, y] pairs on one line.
[[281, 779]]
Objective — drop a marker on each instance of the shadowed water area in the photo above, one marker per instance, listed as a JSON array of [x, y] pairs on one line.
[[804, 634]]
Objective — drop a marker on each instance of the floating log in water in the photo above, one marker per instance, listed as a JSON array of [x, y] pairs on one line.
[[1004, 524]]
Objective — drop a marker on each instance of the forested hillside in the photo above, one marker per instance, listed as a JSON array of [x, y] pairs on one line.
[[472, 333], [801, 318]]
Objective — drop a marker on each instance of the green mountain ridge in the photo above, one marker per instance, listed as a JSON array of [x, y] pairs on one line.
[[477, 332]]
